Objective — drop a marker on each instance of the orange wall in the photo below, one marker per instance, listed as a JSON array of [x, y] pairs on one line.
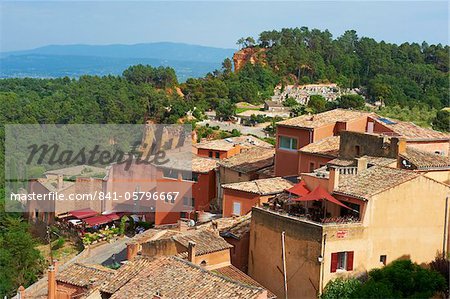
[[286, 161], [223, 154], [204, 190], [239, 253], [247, 200], [357, 125], [323, 132], [305, 159]]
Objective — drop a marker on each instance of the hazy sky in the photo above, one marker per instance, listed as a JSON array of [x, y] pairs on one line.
[[26, 25]]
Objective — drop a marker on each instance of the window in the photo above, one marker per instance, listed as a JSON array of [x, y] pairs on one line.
[[312, 166], [237, 208], [210, 154], [188, 201], [383, 259], [287, 143], [170, 173], [342, 261], [183, 215], [36, 213], [217, 155], [239, 174], [357, 150]]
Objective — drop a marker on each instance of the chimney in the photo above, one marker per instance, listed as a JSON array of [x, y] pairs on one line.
[[191, 252], [215, 227], [132, 251], [60, 181], [401, 146], [333, 178], [51, 283], [21, 293], [362, 164]]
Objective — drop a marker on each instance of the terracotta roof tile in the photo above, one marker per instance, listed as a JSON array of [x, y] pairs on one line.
[[205, 241], [187, 161], [373, 180], [125, 273], [172, 277], [267, 171], [235, 274], [328, 146], [83, 275], [228, 143], [409, 130], [250, 160], [425, 160], [324, 118], [262, 187]]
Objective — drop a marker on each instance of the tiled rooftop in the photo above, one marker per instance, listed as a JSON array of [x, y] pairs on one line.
[[250, 160], [239, 229], [83, 275], [262, 187], [153, 234], [205, 241], [324, 118], [425, 160], [380, 161], [125, 273], [409, 130], [172, 277], [328, 146], [373, 180], [267, 171], [188, 161], [79, 170], [229, 143], [235, 274]]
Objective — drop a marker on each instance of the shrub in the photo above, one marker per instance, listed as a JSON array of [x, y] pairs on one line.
[[341, 288], [59, 243]]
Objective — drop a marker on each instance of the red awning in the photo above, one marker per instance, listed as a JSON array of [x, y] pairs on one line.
[[320, 193], [113, 216], [84, 213], [299, 189], [97, 220]]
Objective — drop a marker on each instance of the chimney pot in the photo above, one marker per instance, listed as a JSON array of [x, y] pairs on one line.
[[191, 251], [362, 164], [333, 178], [51, 282], [60, 181], [21, 293]]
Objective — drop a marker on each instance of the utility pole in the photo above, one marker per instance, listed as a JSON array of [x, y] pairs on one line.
[[283, 249], [49, 240]]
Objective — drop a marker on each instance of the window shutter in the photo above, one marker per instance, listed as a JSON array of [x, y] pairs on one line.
[[334, 262], [349, 260]]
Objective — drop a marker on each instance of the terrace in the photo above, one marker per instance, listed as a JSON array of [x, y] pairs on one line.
[[317, 206]]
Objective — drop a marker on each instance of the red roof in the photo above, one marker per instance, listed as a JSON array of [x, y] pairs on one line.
[[97, 220], [84, 213], [320, 193], [299, 189]]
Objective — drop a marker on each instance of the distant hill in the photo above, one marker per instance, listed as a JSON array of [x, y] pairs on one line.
[[75, 60]]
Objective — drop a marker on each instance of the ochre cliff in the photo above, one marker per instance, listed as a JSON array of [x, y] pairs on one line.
[[252, 55]]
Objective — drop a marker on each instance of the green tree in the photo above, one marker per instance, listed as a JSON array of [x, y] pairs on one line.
[[350, 101], [225, 110], [442, 121], [317, 103], [290, 102]]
